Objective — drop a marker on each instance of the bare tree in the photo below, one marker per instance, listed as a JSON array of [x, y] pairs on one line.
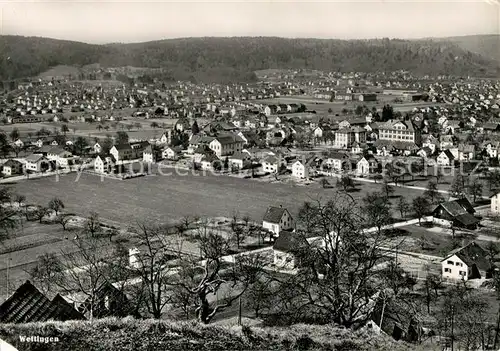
[[63, 220], [209, 276], [155, 245], [46, 271], [56, 205], [376, 210], [432, 194], [40, 212], [93, 225], [237, 230], [337, 268], [403, 207], [84, 270], [421, 207]]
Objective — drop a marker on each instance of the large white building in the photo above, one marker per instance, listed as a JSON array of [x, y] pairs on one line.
[[226, 145], [395, 130]]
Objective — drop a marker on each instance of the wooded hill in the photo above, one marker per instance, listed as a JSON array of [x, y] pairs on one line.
[[235, 59]]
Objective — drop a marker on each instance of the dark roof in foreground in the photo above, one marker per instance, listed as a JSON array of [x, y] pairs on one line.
[[289, 242], [28, 304]]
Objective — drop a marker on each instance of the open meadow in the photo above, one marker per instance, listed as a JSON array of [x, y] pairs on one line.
[[163, 198], [323, 106]]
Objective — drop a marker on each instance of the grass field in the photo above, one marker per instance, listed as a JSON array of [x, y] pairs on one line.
[[164, 198], [19, 253], [322, 106]]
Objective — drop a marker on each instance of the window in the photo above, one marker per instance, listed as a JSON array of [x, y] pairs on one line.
[[450, 262], [458, 264], [462, 273], [447, 270]]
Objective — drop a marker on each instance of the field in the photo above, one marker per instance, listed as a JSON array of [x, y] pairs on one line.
[[19, 253], [322, 106], [163, 198], [90, 130]]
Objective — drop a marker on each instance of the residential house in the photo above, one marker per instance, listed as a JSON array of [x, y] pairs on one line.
[[12, 167], [207, 161], [271, 164], [61, 157], [468, 262], [226, 145], [103, 165], [445, 141], [166, 137], [366, 166], [37, 163], [335, 161], [425, 152], [277, 219], [97, 148], [29, 305], [495, 204], [300, 169], [445, 158], [465, 152], [123, 152], [107, 301], [431, 142], [286, 249], [346, 136], [459, 213], [239, 160], [171, 153], [151, 154]]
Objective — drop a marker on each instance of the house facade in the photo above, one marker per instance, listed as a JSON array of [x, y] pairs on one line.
[[277, 219], [465, 263], [300, 170], [495, 204]]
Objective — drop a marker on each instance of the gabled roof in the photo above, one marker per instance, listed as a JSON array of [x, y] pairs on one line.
[[471, 254], [123, 147], [449, 154], [274, 214], [28, 304], [289, 242], [34, 158]]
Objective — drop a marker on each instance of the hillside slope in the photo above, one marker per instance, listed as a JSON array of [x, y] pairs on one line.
[[487, 46], [235, 59], [139, 335]]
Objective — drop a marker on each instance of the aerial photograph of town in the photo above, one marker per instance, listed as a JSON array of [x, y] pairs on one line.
[[249, 175]]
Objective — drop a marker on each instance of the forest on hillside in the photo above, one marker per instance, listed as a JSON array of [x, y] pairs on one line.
[[235, 59]]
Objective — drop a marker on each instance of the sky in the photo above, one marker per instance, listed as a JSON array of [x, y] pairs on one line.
[[135, 21]]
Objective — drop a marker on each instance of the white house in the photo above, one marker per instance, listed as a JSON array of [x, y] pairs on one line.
[[12, 167], [271, 164], [37, 163], [300, 170], [170, 153], [363, 167], [103, 165], [277, 219], [226, 145], [495, 204], [468, 262], [97, 148], [445, 158], [239, 160]]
